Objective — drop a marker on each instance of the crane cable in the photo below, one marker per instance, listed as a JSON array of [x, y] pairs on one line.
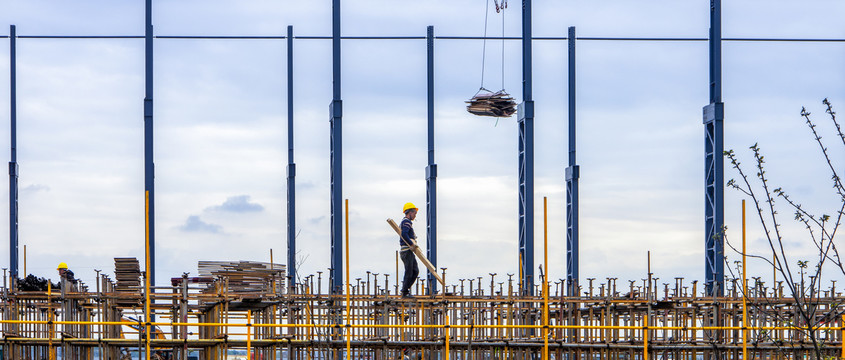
[[485, 102], [484, 44], [500, 8]]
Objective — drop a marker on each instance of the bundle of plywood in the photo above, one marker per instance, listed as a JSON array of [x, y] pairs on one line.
[[246, 276], [488, 103]]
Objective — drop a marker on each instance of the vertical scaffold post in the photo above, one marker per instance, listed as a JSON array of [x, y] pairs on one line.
[[291, 188], [13, 161], [431, 169], [149, 166], [713, 162], [572, 174], [336, 115], [525, 121]]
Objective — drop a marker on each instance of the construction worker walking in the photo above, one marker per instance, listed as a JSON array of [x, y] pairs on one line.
[[406, 243]]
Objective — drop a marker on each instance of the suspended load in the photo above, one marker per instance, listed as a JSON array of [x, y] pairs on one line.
[[488, 103], [485, 102]]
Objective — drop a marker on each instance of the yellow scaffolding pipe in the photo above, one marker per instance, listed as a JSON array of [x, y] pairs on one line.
[[744, 292], [545, 279], [842, 336], [51, 330], [147, 277], [437, 326], [348, 313], [248, 334], [645, 338], [447, 336]]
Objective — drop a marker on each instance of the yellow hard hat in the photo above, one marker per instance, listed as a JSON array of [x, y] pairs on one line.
[[408, 206], [61, 266]]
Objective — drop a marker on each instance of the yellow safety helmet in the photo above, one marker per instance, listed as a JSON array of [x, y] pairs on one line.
[[61, 266], [408, 206]]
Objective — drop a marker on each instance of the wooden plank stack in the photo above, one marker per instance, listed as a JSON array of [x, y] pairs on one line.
[[127, 273], [246, 276], [496, 104]]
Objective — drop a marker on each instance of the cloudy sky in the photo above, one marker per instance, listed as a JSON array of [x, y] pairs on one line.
[[220, 112]]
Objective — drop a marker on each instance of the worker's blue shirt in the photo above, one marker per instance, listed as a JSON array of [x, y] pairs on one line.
[[405, 240]]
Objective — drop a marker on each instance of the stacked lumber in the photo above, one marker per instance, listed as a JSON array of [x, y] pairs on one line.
[[245, 276], [127, 273], [488, 103]]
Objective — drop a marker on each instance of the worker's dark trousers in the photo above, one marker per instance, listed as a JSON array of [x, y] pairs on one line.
[[411, 270]]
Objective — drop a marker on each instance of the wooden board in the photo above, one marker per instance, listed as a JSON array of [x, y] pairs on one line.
[[245, 276], [418, 252]]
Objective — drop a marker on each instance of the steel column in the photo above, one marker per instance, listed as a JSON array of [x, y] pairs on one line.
[[431, 169], [336, 115], [526, 160], [572, 174], [713, 163], [13, 162], [291, 188], [149, 166]]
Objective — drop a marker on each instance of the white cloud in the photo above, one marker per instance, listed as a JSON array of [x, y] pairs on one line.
[[194, 224], [237, 204], [36, 188]]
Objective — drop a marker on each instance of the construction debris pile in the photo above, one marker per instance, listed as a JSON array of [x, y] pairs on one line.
[[488, 103]]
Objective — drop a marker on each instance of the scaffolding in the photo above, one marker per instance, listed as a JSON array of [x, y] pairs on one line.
[[473, 319]]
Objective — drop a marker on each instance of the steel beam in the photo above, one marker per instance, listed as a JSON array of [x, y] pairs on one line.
[[336, 144], [149, 166], [526, 160], [13, 162], [431, 169], [573, 172], [714, 209], [291, 188]]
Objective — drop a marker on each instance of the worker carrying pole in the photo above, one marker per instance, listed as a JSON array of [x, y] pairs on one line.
[[409, 249], [407, 243]]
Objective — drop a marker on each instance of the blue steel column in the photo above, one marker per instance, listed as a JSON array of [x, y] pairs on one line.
[[149, 166], [336, 114], [13, 163], [572, 174], [526, 160], [291, 172], [714, 210], [431, 169]]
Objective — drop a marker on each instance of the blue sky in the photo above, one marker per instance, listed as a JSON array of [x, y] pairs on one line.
[[220, 109]]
